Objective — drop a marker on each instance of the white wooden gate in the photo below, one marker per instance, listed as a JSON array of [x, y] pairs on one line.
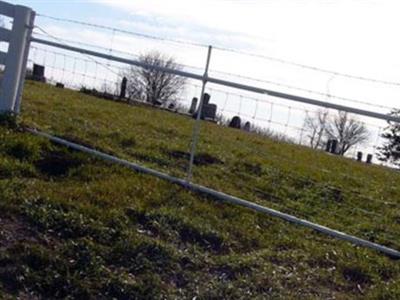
[[15, 59]]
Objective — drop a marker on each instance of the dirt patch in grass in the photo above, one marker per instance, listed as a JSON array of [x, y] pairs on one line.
[[356, 275], [14, 230], [163, 225], [58, 163], [201, 159], [151, 159], [253, 168], [128, 142]]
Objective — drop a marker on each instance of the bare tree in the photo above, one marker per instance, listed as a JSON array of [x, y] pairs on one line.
[[347, 130], [154, 86], [390, 150], [315, 127]]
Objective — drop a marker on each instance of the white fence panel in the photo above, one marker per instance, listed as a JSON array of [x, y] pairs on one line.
[[15, 59]]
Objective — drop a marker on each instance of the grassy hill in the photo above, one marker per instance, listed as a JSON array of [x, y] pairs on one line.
[[74, 226]]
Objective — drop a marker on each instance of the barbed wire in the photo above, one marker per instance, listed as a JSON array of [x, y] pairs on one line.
[[326, 95], [86, 55], [298, 107], [306, 90], [89, 45], [313, 68], [128, 32], [190, 43], [135, 55]]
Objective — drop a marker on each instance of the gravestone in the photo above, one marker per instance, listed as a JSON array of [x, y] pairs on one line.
[[38, 73], [59, 85], [334, 145], [171, 106], [369, 159], [328, 146], [206, 99], [124, 83], [247, 127], [209, 112], [193, 106], [359, 156], [157, 102], [235, 122]]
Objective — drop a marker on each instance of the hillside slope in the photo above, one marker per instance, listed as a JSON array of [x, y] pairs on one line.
[[72, 225]]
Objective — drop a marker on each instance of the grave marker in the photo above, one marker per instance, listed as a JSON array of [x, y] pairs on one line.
[[124, 84], [193, 105], [247, 127], [359, 156], [235, 122], [38, 73]]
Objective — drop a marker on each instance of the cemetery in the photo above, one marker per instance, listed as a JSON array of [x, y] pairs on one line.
[[120, 192]]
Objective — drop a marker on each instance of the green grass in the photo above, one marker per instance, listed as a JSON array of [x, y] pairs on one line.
[[74, 226]]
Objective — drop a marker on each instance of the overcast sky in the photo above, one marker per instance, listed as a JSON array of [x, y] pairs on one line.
[[356, 37]]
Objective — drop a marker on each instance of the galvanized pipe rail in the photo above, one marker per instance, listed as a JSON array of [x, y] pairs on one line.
[[226, 83], [222, 196]]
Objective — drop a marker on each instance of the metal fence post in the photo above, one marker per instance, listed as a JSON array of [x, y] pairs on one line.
[[16, 58], [196, 129]]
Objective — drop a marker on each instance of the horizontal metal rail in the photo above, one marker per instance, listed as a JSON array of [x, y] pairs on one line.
[[226, 83], [222, 196], [5, 34], [7, 9]]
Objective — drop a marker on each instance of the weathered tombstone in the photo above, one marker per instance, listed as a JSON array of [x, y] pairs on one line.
[[124, 83], [235, 122], [193, 106], [359, 156], [59, 85], [209, 111], [38, 73], [206, 99], [157, 102], [334, 145], [247, 126], [328, 146], [171, 106], [369, 158]]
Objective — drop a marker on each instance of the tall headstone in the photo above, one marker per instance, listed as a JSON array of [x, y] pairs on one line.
[[38, 73], [208, 111], [193, 105], [369, 159], [359, 156], [328, 146], [334, 145], [235, 122], [124, 84], [206, 99], [247, 127]]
